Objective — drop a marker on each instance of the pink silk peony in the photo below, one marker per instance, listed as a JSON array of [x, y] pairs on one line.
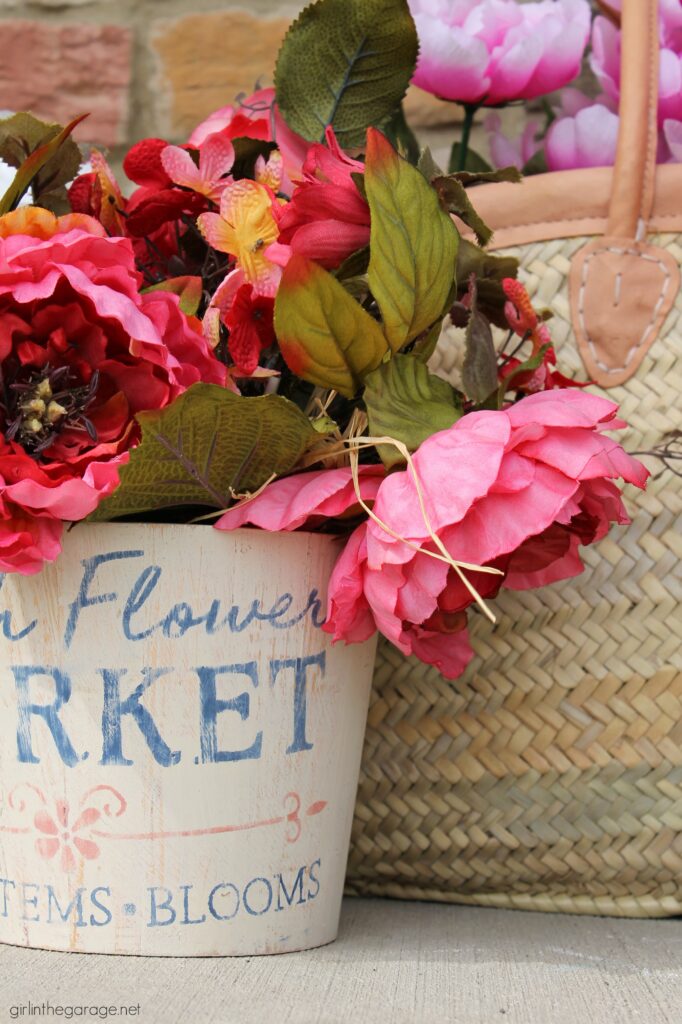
[[511, 152], [605, 61], [81, 352], [587, 139], [495, 51], [305, 499], [519, 490]]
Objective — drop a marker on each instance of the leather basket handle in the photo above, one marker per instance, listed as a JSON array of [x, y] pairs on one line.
[[621, 287]]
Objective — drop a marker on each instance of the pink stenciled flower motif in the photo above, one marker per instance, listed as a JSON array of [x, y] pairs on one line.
[[210, 177], [244, 228], [61, 834]]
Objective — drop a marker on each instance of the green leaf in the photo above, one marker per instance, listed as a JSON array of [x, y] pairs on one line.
[[479, 371], [428, 166], [413, 244], [454, 199], [189, 288], [354, 265], [473, 162], [203, 447], [345, 63], [401, 136], [537, 164], [490, 271], [325, 336], [44, 159], [502, 174], [408, 403]]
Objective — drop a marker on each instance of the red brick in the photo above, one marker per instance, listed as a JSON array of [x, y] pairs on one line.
[[59, 71]]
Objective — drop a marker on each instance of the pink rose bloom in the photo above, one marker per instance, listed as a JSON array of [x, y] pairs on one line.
[[257, 117], [605, 62], [495, 51], [519, 490], [511, 152], [327, 219], [587, 139], [81, 352]]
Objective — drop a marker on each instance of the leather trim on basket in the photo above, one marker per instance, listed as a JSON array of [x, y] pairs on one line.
[[567, 204], [621, 293]]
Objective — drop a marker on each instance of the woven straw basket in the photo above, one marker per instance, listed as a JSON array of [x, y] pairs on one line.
[[550, 776]]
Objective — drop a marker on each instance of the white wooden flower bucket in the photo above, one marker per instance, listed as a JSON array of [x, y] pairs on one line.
[[179, 744]]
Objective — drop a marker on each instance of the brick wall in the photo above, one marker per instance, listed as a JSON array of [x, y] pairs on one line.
[[146, 67]]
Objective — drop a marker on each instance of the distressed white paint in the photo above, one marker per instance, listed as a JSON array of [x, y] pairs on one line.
[[211, 853]]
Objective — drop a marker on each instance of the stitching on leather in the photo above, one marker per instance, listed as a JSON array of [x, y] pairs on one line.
[[588, 217], [652, 127], [619, 251]]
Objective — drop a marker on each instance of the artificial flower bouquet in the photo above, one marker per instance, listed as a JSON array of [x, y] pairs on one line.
[[244, 339]]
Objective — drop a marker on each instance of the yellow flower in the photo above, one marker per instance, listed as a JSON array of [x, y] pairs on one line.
[[244, 228]]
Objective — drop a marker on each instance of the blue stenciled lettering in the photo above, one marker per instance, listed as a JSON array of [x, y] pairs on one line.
[[26, 708], [212, 706], [30, 901], [142, 589], [76, 904], [154, 907], [108, 916], [314, 880], [296, 890], [182, 617], [114, 708], [87, 600], [300, 667], [6, 618], [188, 919], [221, 890], [249, 906], [5, 883]]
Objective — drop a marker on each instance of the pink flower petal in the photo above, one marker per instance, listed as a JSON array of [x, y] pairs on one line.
[[44, 822], [289, 503], [86, 848]]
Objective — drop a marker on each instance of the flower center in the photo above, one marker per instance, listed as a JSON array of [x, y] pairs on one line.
[[40, 404]]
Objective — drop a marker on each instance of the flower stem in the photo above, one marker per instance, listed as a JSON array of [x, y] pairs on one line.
[[458, 159]]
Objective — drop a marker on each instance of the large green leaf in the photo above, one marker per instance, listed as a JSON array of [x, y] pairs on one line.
[[406, 402], [326, 337], [413, 244], [206, 445], [345, 63], [45, 157]]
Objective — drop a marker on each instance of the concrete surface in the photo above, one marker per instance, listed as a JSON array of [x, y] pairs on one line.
[[394, 963]]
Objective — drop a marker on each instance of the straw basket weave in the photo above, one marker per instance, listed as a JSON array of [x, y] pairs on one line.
[[550, 776]]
